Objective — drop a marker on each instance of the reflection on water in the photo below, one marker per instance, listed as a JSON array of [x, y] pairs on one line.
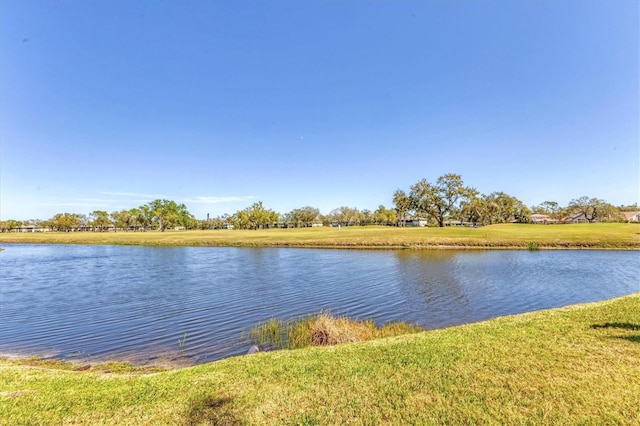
[[100, 302]]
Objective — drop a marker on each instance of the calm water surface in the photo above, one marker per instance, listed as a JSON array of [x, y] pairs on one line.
[[114, 302]]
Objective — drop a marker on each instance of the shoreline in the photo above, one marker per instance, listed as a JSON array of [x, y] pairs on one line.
[[167, 361], [343, 246], [576, 364], [493, 237]]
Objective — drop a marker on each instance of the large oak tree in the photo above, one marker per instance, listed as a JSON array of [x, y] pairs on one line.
[[441, 199]]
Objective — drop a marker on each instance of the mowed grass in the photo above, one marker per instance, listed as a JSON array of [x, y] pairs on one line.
[[575, 365], [514, 236]]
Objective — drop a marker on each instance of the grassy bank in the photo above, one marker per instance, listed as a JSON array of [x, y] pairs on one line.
[[576, 365], [512, 236]]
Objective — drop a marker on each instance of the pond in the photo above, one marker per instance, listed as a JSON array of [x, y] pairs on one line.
[[94, 303]]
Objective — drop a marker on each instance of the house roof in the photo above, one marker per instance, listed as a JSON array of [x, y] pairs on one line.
[[575, 216], [629, 215]]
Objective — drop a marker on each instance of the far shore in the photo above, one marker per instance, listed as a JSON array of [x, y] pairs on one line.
[[618, 236]]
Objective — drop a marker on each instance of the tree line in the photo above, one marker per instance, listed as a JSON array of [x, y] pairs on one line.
[[447, 201], [157, 214]]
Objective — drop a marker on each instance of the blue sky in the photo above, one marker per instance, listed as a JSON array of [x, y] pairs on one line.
[[111, 104]]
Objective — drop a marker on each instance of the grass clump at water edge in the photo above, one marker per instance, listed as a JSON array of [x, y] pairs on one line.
[[533, 246], [322, 329]]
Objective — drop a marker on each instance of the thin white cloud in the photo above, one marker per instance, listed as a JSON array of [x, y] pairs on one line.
[[141, 197], [92, 203], [135, 194], [97, 200], [216, 200], [70, 204], [126, 202]]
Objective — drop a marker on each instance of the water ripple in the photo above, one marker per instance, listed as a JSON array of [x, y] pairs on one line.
[[137, 303]]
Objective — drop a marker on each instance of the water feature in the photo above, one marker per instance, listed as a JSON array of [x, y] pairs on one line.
[[91, 302]]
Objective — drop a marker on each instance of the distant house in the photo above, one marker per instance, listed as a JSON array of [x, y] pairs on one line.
[[539, 218], [632, 216], [578, 218], [542, 218], [416, 221], [30, 228], [457, 223]]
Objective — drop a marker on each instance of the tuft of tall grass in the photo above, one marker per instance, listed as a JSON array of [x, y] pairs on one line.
[[322, 329], [533, 246], [182, 341], [269, 334]]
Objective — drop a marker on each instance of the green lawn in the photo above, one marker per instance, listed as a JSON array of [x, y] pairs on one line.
[[575, 365], [597, 235]]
